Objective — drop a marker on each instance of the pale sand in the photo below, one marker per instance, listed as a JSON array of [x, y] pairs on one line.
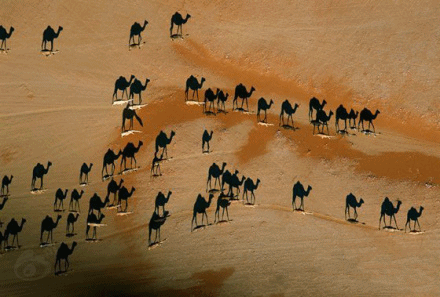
[[381, 55]]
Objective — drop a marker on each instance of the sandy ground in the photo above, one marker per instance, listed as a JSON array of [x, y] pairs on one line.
[[382, 55]]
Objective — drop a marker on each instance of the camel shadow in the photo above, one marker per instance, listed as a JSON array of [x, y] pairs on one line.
[[93, 239], [200, 227], [156, 244], [48, 53], [416, 232], [47, 244], [37, 191], [354, 221], [59, 210], [289, 127], [61, 273], [106, 177], [71, 234], [241, 109], [176, 36], [222, 111], [11, 248], [209, 113], [136, 45], [213, 191], [369, 132]]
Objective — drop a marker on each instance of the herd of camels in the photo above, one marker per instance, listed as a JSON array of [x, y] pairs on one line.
[[228, 184]]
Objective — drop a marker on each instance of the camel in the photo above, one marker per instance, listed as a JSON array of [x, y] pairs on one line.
[[5, 35], [200, 206], [155, 166], [13, 229], [136, 30], [124, 194], [48, 225], [129, 151], [122, 84], [6, 181], [366, 115], [193, 84], [39, 172], [71, 219], [84, 171], [210, 96], [341, 114], [240, 92], [352, 116], [59, 195], [161, 200], [156, 222], [109, 159], [413, 215], [74, 199], [221, 100], [251, 187], [262, 105], [388, 209], [136, 88], [350, 201], [96, 203], [113, 187], [286, 107], [322, 120], [129, 114], [92, 219], [299, 191], [215, 172], [63, 253], [178, 20], [163, 141], [206, 138], [223, 202], [314, 104], [235, 182], [48, 36]]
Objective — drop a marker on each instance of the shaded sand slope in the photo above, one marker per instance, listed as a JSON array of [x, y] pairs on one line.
[[382, 55]]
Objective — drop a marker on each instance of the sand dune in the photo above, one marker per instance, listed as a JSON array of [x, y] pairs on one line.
[[382, 55]]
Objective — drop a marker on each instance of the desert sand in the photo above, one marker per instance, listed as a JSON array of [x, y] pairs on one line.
[[377, 54]]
